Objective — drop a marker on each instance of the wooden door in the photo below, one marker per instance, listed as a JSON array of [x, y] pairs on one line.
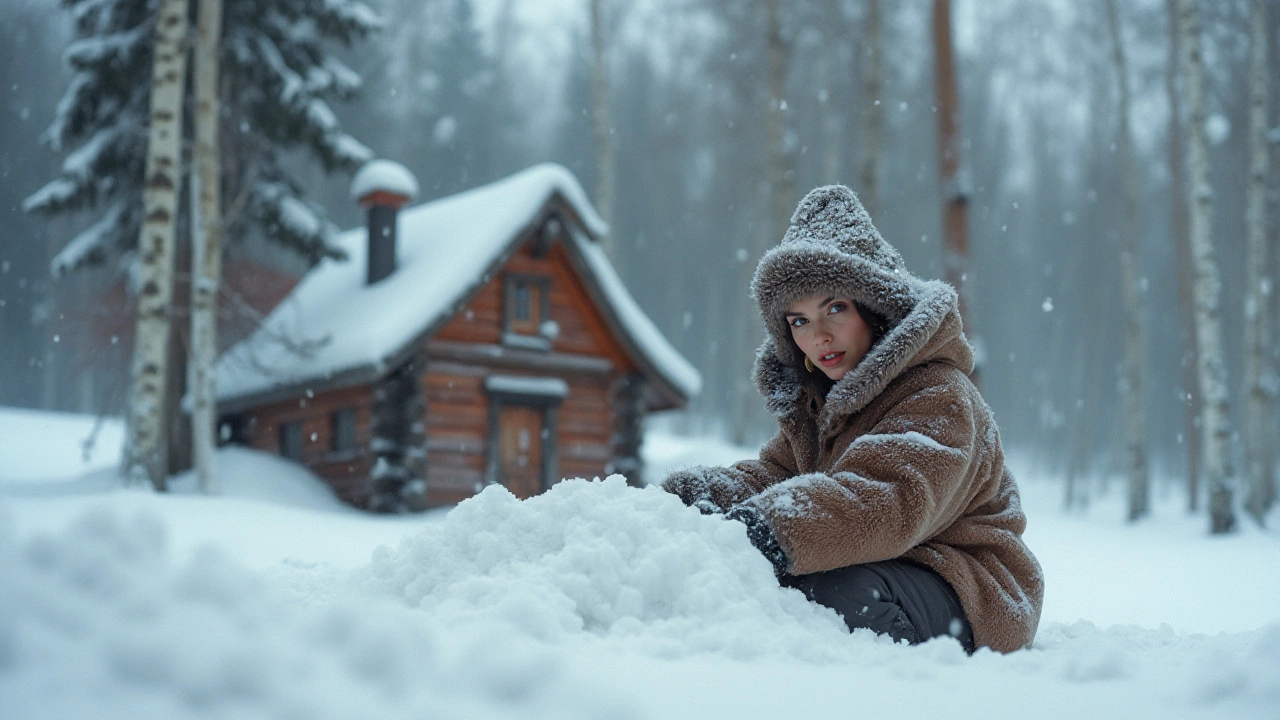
[[520, 440]]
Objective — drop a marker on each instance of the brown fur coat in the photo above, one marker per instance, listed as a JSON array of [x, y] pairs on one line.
[[902, 458]]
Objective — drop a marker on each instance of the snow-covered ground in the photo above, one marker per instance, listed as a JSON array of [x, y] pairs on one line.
[[594, 600]]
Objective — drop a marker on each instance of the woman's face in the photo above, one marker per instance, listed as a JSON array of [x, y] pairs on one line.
[[830, 332]]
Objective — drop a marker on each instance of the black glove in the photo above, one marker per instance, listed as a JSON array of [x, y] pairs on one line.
[[761, 535]]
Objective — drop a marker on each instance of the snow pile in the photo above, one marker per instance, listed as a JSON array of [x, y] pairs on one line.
[[40, 447], [263, 477], [97, 623], [602, 559]]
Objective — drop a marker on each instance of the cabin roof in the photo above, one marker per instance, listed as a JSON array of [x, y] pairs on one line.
[[334, 329]]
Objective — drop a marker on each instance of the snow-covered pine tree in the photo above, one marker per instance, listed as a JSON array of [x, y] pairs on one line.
[[278, 79]]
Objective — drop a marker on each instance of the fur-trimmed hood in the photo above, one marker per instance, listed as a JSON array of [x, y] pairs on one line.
[[832, 248]]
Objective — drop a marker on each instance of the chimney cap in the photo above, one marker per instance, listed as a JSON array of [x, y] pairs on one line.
[[384, 178]]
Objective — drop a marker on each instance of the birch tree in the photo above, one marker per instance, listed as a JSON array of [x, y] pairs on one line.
[[1259, 432], [163, 178], [1133, 381], [1189, 394], [1215, 422], [873, 113], [206, 209]]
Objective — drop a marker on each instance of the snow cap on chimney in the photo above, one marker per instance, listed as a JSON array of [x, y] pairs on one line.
[[382, 187], [383, 182]]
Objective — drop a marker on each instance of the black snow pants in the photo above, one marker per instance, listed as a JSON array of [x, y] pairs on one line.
[[898, 598]]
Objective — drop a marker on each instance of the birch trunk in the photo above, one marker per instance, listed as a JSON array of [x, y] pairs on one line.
[[1133, 383], [207, 241], [602, 125], [1190, 394], [146, 454], [1215, 422], [1260, 405], [874, 114]]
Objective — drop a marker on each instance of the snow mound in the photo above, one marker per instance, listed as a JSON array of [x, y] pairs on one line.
[[98, 623], [256, 475], [600, 558]]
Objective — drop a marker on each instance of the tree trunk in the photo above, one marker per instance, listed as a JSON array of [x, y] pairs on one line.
[[602, 126], [1212, 372], [828, 119], [146, 452], [1189, 396], [954, 184], [1133, 383], [873, 114], [207, 244], [1260, 403], [782, 177]]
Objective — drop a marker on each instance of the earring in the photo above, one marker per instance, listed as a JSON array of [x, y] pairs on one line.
[[808, 364]]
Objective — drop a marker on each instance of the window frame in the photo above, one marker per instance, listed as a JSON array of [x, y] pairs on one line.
[[284, 437], [540, 305], [336, 436]]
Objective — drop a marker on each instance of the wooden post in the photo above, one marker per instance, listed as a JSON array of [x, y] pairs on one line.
[[955, 184]]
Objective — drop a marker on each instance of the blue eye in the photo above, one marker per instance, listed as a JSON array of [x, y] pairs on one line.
[[797, 322], [836, 307]]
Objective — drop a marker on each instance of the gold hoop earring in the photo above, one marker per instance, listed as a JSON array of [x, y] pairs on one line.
[[808, 364]]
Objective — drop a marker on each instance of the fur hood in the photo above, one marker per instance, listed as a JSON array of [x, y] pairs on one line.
[[832, 248]]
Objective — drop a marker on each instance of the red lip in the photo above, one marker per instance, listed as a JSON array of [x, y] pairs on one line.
[[833, 361]]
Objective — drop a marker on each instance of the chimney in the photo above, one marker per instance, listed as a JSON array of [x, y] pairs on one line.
[[382, 187]]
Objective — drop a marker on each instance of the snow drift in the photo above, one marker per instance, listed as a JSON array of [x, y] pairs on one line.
[[602, 558]]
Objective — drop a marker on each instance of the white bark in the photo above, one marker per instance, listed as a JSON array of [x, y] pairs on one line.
[[602, 125], [207, 244], [1260, 400], [1215, 422], [1190, 394], [1133, 382], [145, 454], [869, 192]]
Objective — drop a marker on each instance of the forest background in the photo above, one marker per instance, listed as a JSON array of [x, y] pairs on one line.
[[703, 149]]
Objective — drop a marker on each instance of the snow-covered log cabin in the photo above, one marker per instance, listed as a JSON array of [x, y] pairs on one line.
[[479, 338]]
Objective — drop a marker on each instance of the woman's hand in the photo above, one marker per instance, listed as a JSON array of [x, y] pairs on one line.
[[762, 537], [694, 488]]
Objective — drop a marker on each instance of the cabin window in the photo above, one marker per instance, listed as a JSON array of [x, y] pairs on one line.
[[291, 440], [526, 304], [343, 429]]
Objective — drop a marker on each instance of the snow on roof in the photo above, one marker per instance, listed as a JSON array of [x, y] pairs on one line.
[[384, 175], [333, 323]]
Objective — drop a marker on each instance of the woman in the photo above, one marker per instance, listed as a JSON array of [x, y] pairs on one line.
[[885, 495]]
